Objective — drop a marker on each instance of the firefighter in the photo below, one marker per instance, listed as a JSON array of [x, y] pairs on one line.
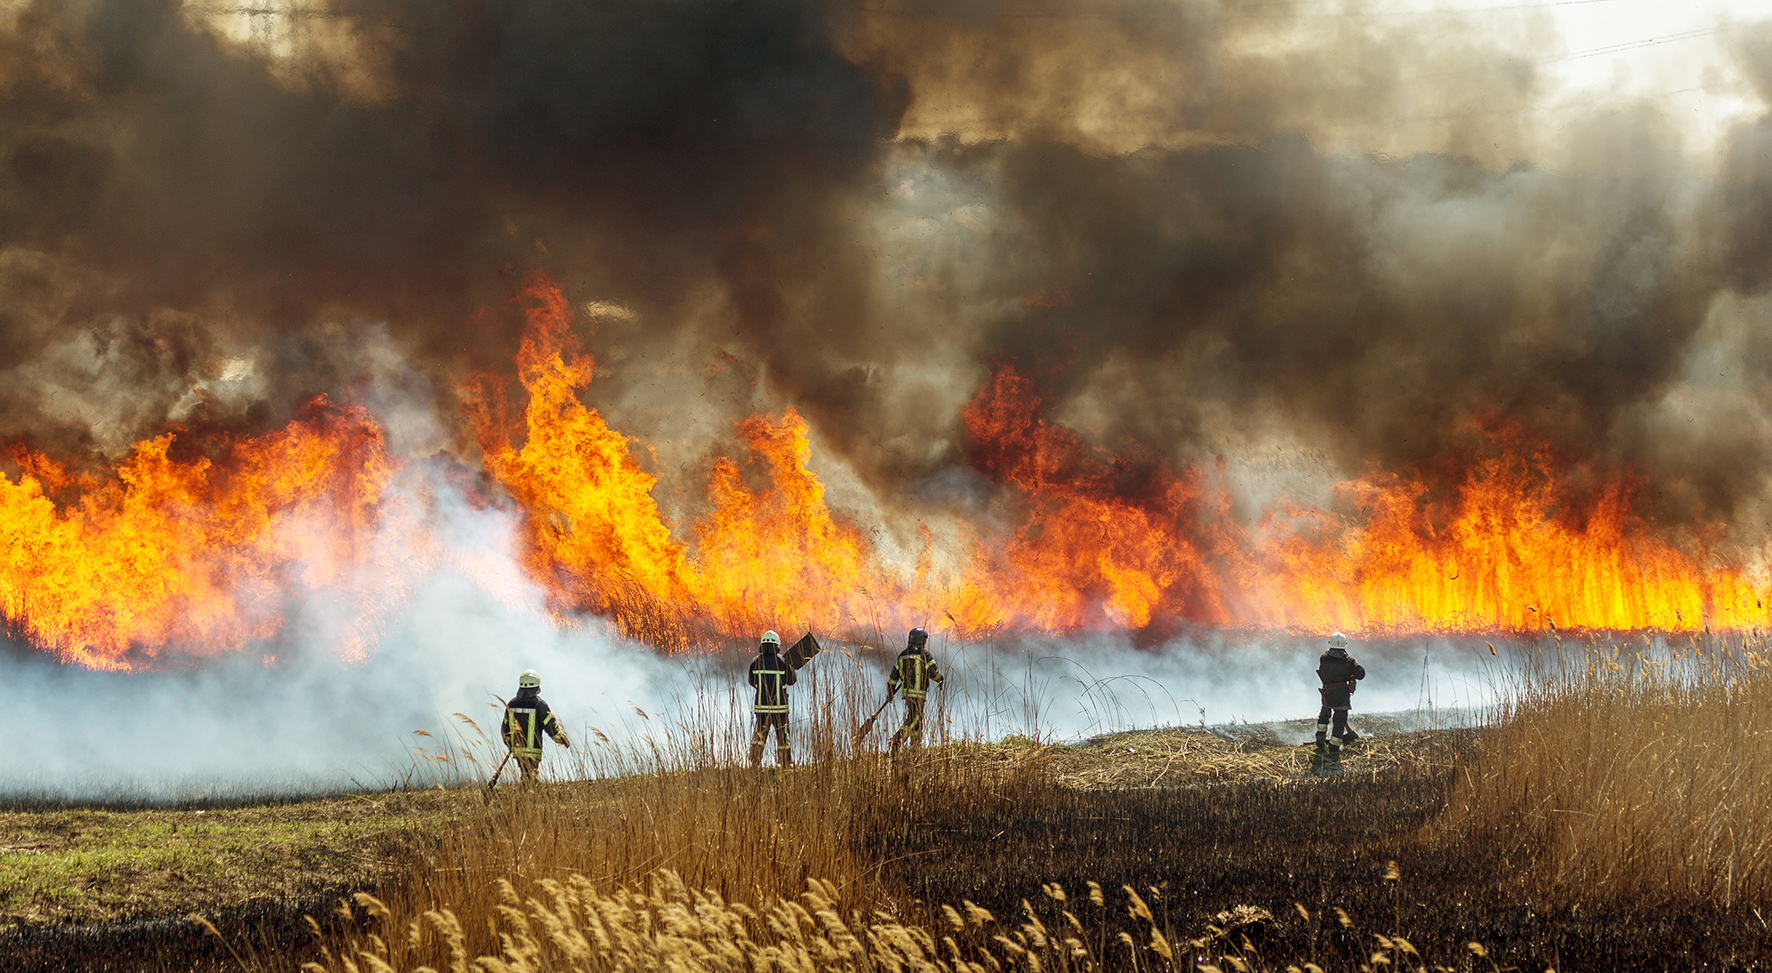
[[771, 676], [913, 670], [527, 718], [1339, 673]]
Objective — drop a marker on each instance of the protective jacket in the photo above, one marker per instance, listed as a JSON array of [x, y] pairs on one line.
[[770, 677], [1339, 672], [914, 670], [527, 719]]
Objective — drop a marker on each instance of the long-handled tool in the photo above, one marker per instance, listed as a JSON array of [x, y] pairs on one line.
[[862, 730], [500, 770]]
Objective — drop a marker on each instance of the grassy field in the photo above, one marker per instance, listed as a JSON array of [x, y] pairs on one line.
[[1567, 835], [116, 870], [75, 865]]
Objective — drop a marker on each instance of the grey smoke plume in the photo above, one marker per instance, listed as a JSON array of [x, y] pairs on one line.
[[1346, 248]]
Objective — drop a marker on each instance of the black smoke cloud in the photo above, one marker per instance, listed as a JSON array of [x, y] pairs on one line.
[[169, 169], [1362, 235]]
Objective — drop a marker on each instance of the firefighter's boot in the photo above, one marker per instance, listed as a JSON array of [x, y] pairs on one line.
[[1332, 760]]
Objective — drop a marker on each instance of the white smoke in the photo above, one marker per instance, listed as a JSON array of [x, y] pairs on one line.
[[452, 618]]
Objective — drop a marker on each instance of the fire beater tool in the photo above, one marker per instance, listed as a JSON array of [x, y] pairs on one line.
[[801, 652], [862, 730], [500, 770]]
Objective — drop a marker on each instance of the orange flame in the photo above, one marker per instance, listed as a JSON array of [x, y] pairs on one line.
[[1513, 549], [203, 556], [1098, 541], [1097, 546], [1513, 553], [773, 556], [195, 554]]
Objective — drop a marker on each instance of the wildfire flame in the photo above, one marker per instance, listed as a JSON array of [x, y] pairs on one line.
[[198, 554], [1103, 545], [205, 554], [773, 556]]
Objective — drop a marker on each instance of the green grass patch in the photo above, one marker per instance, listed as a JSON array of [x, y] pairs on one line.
[[61, 865]]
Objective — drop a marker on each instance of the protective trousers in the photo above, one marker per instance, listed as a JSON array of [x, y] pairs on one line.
[[1339, 714], [531, 767], [783, 742], [913, 724]]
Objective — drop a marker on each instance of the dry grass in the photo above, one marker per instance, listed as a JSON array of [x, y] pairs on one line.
[[679, 797], [1196, 755], [665, 926], [1612, 780]]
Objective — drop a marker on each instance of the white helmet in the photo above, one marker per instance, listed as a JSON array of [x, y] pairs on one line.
[[530, 679], [1338, 641], [770, 638]]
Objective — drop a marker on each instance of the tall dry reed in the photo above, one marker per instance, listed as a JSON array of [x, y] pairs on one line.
[[1615, 778], [664, 925], [677, 794]]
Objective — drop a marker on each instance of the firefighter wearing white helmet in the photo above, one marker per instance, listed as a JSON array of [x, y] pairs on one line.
[[1338, 672], [527, 718], [770, 677]]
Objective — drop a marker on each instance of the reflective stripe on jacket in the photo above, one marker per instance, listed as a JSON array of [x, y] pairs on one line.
[[915, 671], [770, 676], [527, 719]]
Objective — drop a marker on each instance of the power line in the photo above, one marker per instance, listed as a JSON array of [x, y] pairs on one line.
[[1623, 46]]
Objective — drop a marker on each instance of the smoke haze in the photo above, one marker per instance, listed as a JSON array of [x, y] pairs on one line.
[[1286, 243]]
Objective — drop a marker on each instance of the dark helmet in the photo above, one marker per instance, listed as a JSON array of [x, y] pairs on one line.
[[918, 638]]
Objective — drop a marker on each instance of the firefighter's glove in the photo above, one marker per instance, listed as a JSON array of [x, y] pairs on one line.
[[560, 738]]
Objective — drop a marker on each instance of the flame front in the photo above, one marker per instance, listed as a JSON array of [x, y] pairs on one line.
[[1097, 541], [771, 556], [195, 554], [206, 556]]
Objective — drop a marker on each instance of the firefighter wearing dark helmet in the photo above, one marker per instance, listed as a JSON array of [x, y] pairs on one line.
[[1338, 672], [770, 678], [527, 719], [914, 670]]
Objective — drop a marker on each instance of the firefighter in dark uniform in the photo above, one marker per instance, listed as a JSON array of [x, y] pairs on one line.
[[527, 719], [1339, 672], [914, 670], [770, 677]]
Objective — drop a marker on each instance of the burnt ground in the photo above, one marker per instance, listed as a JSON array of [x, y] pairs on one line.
[[1259, 848], [1231, 829]]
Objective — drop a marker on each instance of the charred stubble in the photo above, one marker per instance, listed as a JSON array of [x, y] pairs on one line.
[[1323, 844]]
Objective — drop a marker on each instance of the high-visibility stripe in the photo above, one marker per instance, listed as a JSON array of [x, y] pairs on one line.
[[527, 729], [769, 686]]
